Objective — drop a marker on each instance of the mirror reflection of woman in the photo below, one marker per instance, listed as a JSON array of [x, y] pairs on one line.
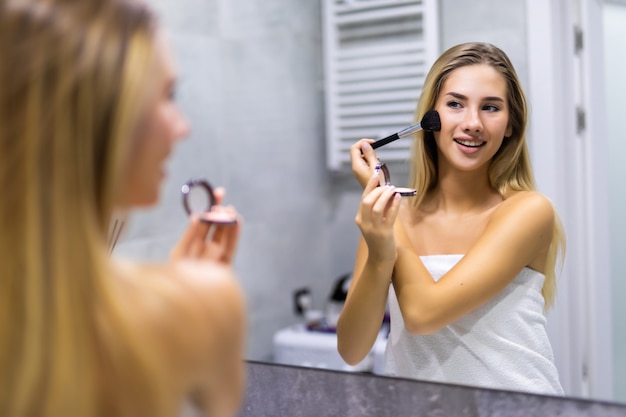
[[87, 122], [468, 266]]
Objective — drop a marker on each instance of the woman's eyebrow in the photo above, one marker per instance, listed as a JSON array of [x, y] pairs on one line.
[[463, 97]]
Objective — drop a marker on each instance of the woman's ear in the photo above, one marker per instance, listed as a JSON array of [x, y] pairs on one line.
[[508, 132]]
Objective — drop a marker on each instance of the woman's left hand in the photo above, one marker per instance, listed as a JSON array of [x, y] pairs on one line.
[[376, 218], [210, 241]]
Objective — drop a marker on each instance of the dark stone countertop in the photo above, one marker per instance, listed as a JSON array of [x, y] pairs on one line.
[[289, 391]]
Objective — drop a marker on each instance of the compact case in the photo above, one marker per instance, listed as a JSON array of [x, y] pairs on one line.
[[199, 200], [385, 180]]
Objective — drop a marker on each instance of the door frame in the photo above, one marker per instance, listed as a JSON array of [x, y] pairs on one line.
[[565, 88]]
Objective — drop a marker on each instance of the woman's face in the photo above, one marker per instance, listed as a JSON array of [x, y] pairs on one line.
[[474, 116], [162, 126]]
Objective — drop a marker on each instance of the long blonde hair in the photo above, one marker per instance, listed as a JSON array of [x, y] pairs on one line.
[[74, 79], [510, 170]]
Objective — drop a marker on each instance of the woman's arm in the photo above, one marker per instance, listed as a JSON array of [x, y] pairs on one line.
[[363, 311], [193, 314], [215, 351], [364, 308], [221, 379], [517, 235]]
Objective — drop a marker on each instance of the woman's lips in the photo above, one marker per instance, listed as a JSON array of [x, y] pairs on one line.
[[469, 146]]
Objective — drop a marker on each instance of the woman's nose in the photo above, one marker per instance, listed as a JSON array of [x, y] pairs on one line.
[[472, 122], [182, 126]]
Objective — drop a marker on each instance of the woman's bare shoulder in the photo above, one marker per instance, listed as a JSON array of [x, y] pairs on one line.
[[190, 279], [525, 217], [530, 202], [190, 306], [209, 278], [206, 292]]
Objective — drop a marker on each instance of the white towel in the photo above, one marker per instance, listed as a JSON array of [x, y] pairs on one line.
[[503, 344]]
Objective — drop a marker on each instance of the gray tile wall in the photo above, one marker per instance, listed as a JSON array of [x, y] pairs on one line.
[[251, 85], [502, 23]]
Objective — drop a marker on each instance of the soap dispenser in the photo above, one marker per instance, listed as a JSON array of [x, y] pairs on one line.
[[336, 300]]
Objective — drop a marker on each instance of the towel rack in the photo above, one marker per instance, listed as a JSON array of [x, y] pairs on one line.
[[376, 54]]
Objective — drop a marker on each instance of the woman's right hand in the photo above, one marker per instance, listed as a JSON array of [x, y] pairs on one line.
[[376, 217], [363, 160]]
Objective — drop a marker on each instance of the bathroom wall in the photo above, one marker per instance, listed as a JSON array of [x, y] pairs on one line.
[[498, 22], [251, 86], [251, 83]]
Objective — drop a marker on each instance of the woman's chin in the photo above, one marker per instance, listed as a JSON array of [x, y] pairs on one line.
[[143, 201]]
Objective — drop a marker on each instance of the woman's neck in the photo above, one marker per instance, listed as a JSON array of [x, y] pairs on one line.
[[463, 193]]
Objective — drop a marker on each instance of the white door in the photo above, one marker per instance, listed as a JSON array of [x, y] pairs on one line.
[[614, 30], [568, 146]]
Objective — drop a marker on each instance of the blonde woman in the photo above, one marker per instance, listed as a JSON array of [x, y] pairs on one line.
[[87, 121], [468, 265]]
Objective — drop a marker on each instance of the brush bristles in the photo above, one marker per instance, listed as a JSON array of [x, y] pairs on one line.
[[431, 121]]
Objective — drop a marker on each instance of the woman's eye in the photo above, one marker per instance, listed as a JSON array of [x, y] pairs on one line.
[[171, 90], [454, 104], [490, 107]]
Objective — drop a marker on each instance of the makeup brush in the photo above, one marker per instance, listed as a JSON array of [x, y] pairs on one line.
[[430, 122]]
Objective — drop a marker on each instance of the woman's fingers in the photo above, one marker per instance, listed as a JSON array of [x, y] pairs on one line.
[[356, 153], [187, 245], [216, 236], [224, 240], [371, 184], [380, 210], [393, 211], [231, 241], [378, 204], [384, 202], [362, 164], [212, 236], [219, 194], [368, 153]]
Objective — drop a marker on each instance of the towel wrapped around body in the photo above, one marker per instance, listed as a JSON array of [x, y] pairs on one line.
[[503, 344]]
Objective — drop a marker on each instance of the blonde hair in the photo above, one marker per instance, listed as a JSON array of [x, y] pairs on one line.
[[74, 80], [510, 170]]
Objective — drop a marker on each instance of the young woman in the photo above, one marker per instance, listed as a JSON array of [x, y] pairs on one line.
[[87, 122], [468, 265]]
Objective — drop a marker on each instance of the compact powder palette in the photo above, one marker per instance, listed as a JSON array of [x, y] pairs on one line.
[[199, 200], [385, 179]]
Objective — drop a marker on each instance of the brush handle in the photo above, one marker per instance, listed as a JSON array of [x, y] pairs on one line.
[[384, 141]]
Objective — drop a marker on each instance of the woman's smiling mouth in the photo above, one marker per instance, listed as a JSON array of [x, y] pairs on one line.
[[470, 143]]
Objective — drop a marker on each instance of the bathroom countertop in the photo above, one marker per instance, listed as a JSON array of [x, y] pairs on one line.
[[281, 390]]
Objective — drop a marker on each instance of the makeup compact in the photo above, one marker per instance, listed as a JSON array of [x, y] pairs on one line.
[[199, 201], [385, 179]]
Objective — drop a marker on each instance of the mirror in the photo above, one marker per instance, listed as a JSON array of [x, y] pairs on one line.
[[385, 179], [198, 197], [199, 201], [252, 74]]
